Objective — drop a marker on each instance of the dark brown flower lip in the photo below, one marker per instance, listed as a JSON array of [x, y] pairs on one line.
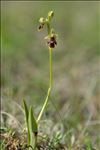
[[41, 26], [52, 42]]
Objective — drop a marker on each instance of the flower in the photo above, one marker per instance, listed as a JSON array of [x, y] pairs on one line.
[[52, 42], [42, 22], [51, 38]]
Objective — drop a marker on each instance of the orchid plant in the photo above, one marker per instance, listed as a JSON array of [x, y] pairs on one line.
[[31, 121]]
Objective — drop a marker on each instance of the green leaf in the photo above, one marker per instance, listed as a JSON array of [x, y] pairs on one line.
[[32, 121], [33, 127], [26, 116], [26, 112]]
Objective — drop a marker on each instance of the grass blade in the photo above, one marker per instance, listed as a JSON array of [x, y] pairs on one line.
[[26, 112], [27, 116]]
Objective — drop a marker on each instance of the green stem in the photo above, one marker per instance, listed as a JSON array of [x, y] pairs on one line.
[[35, 141], [49, 89], [48, 27], [50, 53]]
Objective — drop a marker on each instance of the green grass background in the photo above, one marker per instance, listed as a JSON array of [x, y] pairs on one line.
[[25, 60]]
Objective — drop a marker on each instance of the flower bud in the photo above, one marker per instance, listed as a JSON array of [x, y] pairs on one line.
[[50, 15]]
